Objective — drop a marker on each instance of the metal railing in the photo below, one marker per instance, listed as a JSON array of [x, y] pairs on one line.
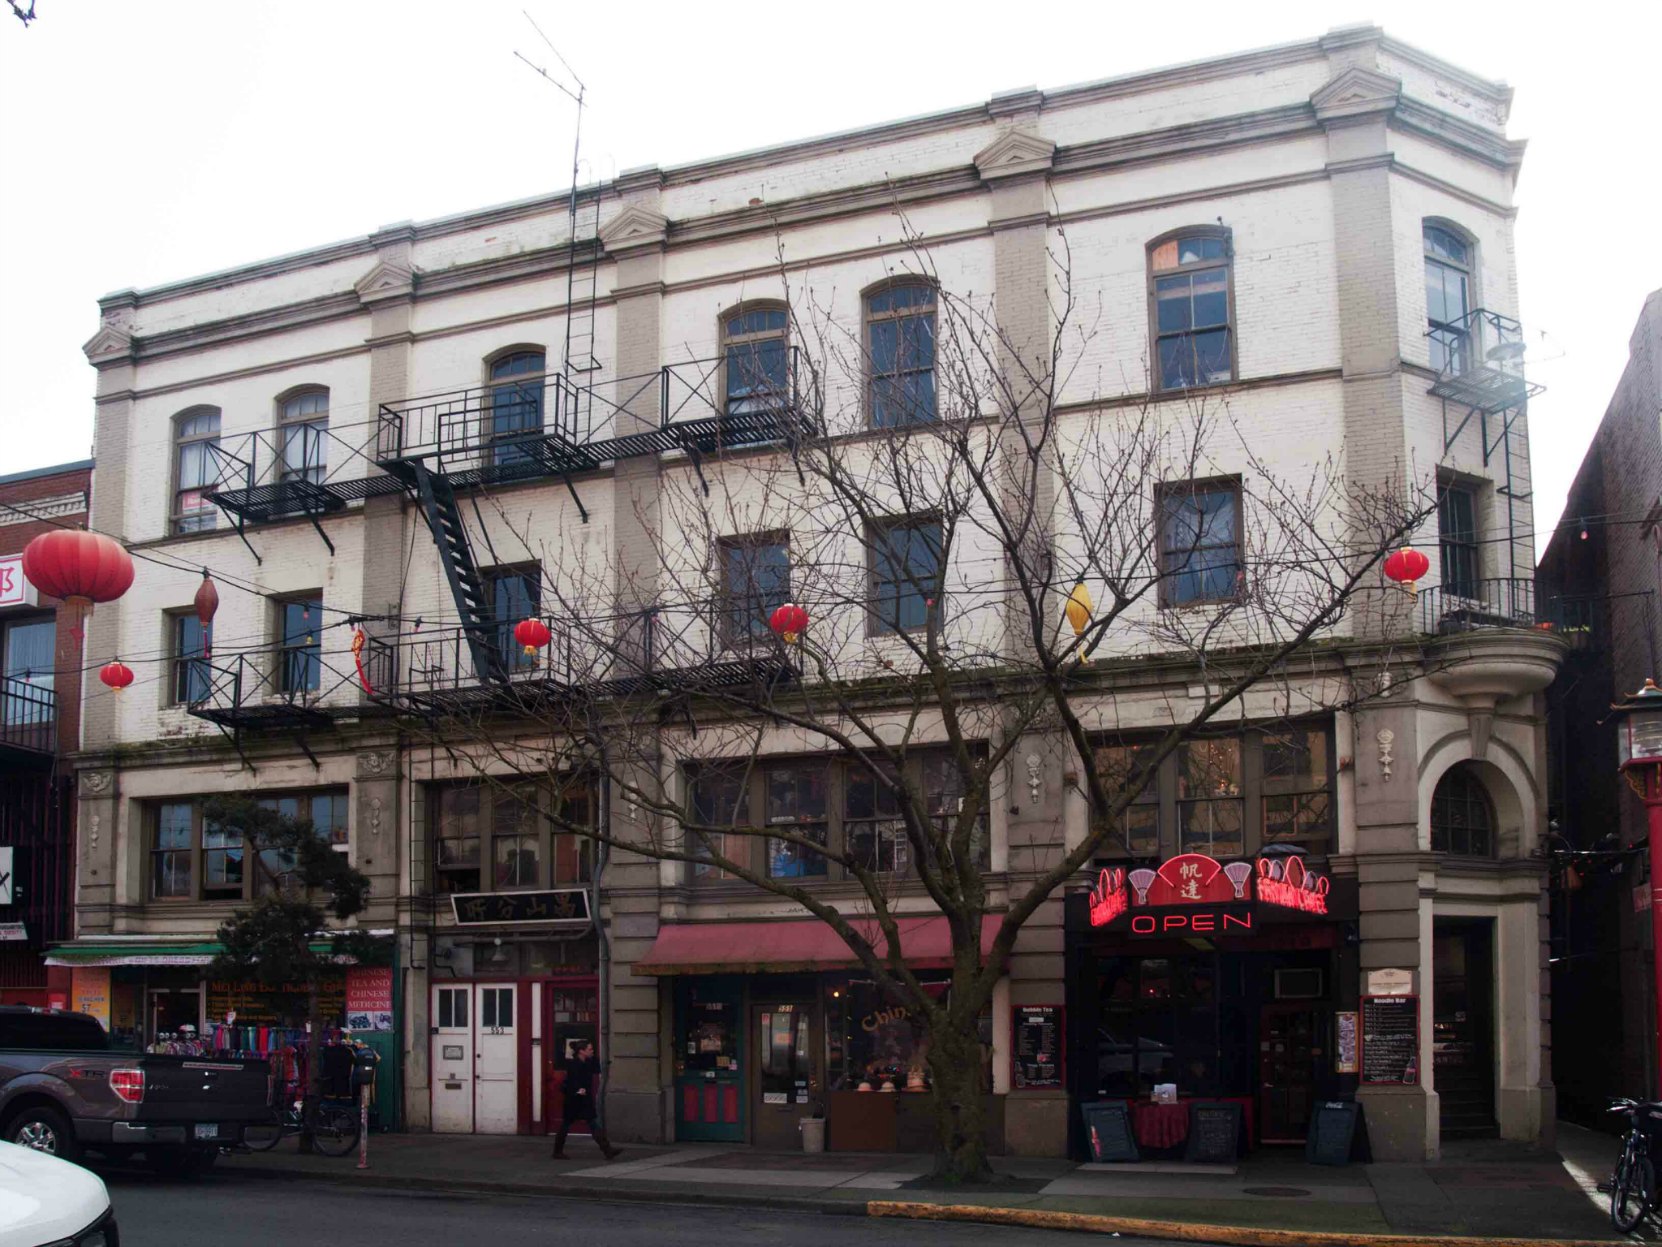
[[274, 685], [1461, 607], [28, 716], [1479, 361]]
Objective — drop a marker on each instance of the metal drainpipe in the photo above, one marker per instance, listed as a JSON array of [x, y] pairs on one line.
[[604, 949]]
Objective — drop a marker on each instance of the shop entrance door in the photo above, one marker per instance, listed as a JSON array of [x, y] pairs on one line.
[[1288, 1043], [709, 1087], [785, 1074], [496, 1091], [1463, 1027], [451, 1063]]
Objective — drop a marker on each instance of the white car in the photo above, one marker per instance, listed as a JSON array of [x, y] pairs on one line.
[[47, 1202]]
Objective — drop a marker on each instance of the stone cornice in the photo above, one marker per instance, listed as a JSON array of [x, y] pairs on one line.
[[1015, 153], [1459, 134], [1356, 94], [633, 229]]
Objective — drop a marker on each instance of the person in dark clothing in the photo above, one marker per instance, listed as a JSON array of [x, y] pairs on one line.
[[582, 1074]]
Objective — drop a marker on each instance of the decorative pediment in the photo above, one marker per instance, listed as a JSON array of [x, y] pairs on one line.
[[1355, 93], [385, 281], [634, 227], [108, 345], [1013, 153]]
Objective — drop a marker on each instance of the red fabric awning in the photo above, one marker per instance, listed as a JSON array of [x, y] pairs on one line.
[[798, 944]]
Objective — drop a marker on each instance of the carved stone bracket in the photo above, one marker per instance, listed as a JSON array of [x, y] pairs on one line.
[[97, 783]]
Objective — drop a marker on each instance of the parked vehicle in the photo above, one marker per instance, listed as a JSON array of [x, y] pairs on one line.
[[63, 1090], [47, 1200]]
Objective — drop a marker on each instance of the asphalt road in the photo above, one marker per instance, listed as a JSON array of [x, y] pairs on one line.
[[264, 1213]]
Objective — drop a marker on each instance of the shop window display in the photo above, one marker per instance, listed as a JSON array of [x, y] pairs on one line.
[[874, 1043], [1158, 1023]]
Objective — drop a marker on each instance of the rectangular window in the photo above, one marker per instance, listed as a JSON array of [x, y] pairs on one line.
[[516, 594], [456, 841], [516, 839], [1210, 805], [516, 399], [906, 574], [795, 798], [720, 797], [170, 860], [274, 870], [1457, 540], [758, 372], [27, 704], [943, 794], [1138, 831], [755, 579], [191, 680], [300, 648], [1296, 789], [1191, 312], [875, 832], [196, 471], [900, 326], [1201, 557], [222, 862]]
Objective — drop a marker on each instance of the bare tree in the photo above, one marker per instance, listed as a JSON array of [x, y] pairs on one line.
[[940, 520]]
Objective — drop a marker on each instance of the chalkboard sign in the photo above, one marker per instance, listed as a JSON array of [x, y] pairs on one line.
[[1036, 1054], [1332, 1137], [1108, 1131], [1390, 1039], [1214, 1133]]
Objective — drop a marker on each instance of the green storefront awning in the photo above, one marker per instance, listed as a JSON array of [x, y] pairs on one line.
[[150, 951]]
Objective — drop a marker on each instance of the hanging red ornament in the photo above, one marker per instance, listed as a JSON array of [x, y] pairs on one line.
[[79, 567], [358, 641], [789, 622], [533, 634], [1406, 566], [116, 675], [207, 605]]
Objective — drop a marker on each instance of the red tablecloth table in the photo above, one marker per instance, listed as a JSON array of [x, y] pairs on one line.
[[1167, 1125]]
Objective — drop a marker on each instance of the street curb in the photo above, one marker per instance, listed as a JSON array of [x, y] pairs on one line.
[[1191, 1232], [607, 1193]]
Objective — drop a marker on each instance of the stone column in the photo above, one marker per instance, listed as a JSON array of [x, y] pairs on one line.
[[98, 895]]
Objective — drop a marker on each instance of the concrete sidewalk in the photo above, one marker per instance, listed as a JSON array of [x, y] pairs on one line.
[[1486, 1189]]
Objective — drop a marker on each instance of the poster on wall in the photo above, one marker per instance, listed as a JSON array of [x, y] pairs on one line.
[[1390, 1040], [279, 1004], [1345, 1044], [89, 992], [1036, 1054], [369, 998]]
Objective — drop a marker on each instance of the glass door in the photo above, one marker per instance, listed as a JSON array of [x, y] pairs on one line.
[[1288, 1051], [786, 1078], [709, 1079]]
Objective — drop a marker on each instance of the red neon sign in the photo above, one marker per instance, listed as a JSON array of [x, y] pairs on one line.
[[1292, 886], [1204, 921], [1191, 880], [1109, 898]]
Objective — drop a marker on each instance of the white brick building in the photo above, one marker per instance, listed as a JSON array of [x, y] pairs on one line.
[[1316, 187]]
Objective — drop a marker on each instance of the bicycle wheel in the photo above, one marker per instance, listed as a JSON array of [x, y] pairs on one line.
[[263, 1137], [1630, 1192], [334, 1130]]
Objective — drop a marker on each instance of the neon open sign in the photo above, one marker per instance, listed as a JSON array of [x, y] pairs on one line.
[[1206, 921], [1194, 880]]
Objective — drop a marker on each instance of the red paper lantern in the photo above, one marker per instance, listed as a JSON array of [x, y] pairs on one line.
[[789, 621], [80, 567], [1406, 566], [533, 634], [116, 675], [207, 605]]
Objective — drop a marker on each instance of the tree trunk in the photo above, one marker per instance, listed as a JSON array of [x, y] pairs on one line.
[[959, 1102], [314, 1067]]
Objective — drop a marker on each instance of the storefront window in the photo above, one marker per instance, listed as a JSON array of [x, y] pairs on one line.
[[796, 798], [1209, 804], [1298, 803], [1139, 826], [1158, 1024]]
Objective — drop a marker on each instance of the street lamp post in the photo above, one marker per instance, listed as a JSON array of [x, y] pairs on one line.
[[1639, 741]]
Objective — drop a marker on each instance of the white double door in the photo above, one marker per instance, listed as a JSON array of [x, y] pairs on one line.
[[475, 1058]]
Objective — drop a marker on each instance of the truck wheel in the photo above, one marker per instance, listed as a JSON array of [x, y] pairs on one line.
[[44, 1129], [181, 1162]]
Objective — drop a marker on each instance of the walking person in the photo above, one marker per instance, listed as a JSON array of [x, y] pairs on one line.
[[582, 1073]]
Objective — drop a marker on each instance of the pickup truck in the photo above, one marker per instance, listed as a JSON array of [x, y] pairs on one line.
[[64, 1090]]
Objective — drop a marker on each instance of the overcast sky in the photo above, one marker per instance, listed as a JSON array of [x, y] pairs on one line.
[[145, 142]]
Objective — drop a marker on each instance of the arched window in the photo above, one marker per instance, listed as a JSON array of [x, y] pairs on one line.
[[756, 359], [1462, 816], [302, 422], [900, 340], [195, 437], [1448, 298], [1189, 277], [515, 403]]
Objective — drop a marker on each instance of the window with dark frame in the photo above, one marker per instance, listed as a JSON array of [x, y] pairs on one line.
[[194, 859], [516, 404], [171, 876], [906, 573], [191, 677], [1297, 788], [796, 798], [756, 360], [1462, 816], [1210, 797], [1201, 554], [900, 339], [1189, 277], [274, 869], [456, 839], [1460, 551], [196, 471], [755, 579], [303, 423], [300, 644], [493, 838], [516, 594], [1139, 825], [719, 796], [1448, 296]]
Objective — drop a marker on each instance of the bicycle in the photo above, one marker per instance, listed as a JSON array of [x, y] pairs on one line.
[[1633, 1186], [334, 1127]]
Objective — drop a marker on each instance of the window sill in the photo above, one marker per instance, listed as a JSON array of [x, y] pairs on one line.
[[1163, 393]]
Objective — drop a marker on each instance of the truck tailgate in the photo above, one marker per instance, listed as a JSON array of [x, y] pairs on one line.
[[195, 1089]]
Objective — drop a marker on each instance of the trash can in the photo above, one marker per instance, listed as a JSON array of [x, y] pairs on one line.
[[813, 1134]]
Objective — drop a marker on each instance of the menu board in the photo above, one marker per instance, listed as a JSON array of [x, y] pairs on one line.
[[1214, 1133], [1345, 1046], [1332, 1136], [1036, 1054], [1390, 1039], [1108, 1131]]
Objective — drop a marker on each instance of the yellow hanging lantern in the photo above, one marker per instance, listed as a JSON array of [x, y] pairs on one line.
[[1078, 611]]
